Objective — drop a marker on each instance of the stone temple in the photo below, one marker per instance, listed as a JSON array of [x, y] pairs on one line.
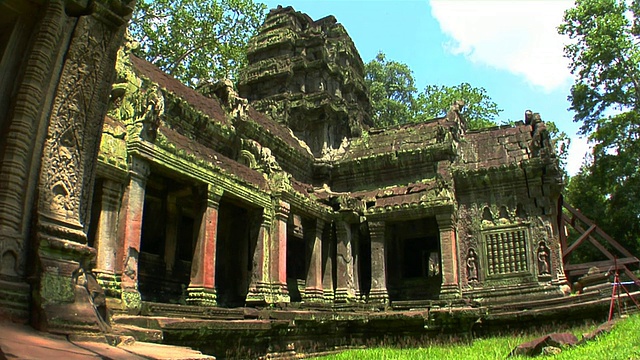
[[131, 202]]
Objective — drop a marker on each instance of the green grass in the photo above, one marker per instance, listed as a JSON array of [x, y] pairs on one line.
[[621, 343]]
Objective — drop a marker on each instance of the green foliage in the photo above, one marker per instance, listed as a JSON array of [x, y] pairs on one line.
[[620, 343], [391, 91], [605, 58], [196, 41], [396, 101], [479, 110]]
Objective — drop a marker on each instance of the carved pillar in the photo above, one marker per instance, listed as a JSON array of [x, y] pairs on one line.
[[201, 290], [279, 254], [106, 237], [378, 293], [448, 246], [260, 288], [74, 110], [24, 131], [345, 287], [328, 257], [313, 290], [131, 227]]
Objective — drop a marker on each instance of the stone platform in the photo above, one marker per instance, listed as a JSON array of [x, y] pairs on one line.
[[243, 333], [19, 341]]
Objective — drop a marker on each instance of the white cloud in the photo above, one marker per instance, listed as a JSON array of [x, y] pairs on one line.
[[517, 36], [578, 151]]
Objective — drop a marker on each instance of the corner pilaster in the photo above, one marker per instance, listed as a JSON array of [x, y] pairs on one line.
[[448, 245]]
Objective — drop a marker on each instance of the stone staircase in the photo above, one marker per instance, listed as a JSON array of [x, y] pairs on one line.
[[14, 300]]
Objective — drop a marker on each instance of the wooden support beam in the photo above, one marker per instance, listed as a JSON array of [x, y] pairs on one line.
[[581, 239]]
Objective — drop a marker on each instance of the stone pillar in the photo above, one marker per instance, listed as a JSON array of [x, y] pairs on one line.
[[345, 287], [313, 290], [259, 288], [378, 293], [67, 106], [357, 260], [449, 247], [201, 290], [279, 254], [131, 230], [328, 256], [106, 237]]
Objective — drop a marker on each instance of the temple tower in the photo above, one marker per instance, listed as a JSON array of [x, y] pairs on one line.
[[308, 76]]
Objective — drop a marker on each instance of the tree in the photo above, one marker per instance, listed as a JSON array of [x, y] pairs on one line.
[[395, 99], [605, 57], [479, 110], [196, 41], [391, 91]]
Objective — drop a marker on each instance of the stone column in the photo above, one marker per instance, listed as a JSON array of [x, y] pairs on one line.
[[279, 254], [345, 287], [378, 293], [357, 260], [106, 237], [328, 256], [201, 290], [131, 227], [448, 246], [259, 287], [313, 290]]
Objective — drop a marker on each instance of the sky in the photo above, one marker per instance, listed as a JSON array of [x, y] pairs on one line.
[[509, 47]]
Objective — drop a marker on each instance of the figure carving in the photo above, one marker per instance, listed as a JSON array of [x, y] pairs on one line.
[[544, 267], [472, 266]]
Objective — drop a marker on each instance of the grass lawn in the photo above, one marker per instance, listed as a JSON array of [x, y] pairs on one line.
[[622, 343]]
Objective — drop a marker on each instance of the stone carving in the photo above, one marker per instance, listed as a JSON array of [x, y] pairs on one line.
[[506, 251], [543, 256], [135, 102], [261, 158], [472, 266]]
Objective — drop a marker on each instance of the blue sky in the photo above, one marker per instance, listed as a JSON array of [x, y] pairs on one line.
[[511, 48]]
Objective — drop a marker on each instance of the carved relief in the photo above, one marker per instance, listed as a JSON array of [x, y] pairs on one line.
[[137, 103], [20, 146], [72, 115], [472, 266], [543, 257]]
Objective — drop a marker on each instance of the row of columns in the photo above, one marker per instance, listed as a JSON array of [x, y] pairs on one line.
[[269, 270]]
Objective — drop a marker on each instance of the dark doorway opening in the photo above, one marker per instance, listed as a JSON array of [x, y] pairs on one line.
[[414, 263], [236, 242], [167, 240]]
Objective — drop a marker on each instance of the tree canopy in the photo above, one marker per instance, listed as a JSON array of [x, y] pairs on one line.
[[479, 110], [605, 58], [196, 41], [396, 101], [391, 91]]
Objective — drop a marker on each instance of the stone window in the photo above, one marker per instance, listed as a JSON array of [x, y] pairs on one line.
[[506, 251]]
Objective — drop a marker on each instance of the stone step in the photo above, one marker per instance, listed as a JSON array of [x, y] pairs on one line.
[[545, 302], [14, 300], [161, 352], [138, 333], [190, 311]]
